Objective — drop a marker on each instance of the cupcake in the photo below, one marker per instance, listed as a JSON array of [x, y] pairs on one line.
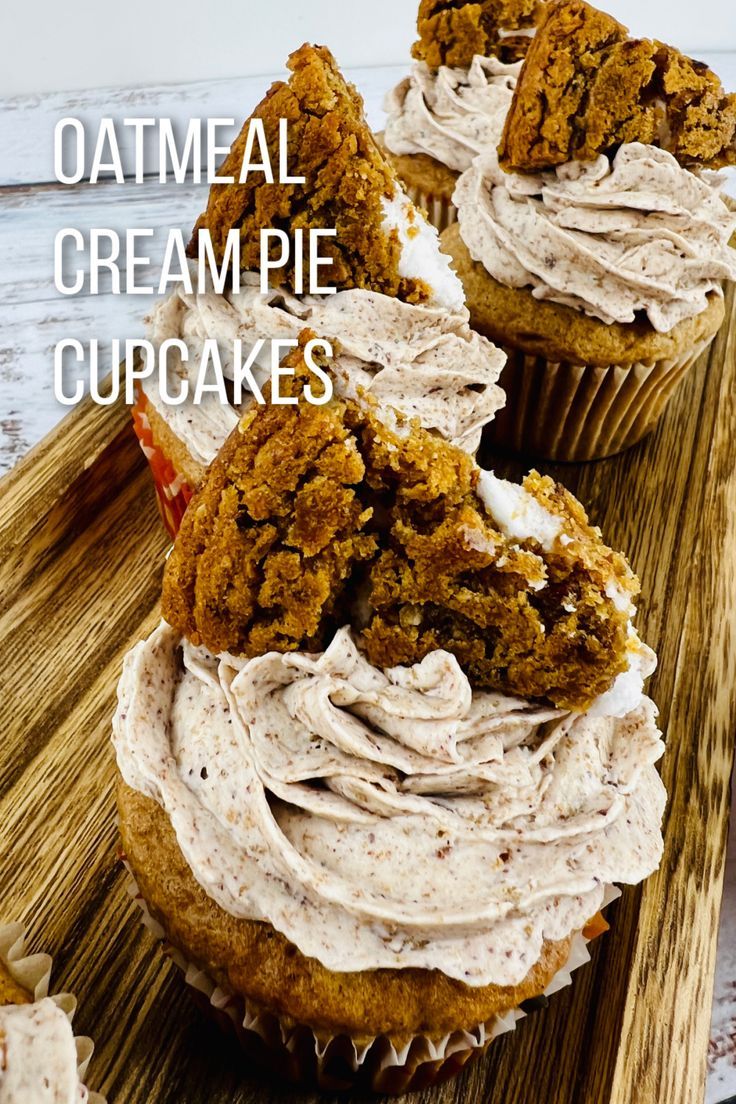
[[454, 103], [389, 753], [593, 244], [397, 323], [40, 1060]]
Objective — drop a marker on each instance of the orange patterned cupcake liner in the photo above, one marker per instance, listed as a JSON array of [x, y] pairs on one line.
[[172, 491]]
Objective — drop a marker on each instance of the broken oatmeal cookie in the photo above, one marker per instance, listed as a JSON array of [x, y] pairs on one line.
[[274, 532], [586, 87], [348, 186], [453, 33], [313, 516]]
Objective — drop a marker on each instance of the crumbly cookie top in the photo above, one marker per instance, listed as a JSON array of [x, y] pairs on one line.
[[346, 179], [452, 33], [274, 532], [528, 622], [313, 516], [586, 87]]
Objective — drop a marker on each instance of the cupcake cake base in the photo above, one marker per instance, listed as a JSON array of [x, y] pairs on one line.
[[428, 183], [191, 927]]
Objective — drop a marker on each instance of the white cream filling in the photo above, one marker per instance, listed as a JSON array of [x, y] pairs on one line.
[[517, 513], [629, 686], [421, 258], [520, 32], [620, 598]]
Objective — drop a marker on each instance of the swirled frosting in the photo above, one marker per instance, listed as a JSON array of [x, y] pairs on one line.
[[38, 1056], [450, 114], [423, 360], [640, 234], [389, 818]]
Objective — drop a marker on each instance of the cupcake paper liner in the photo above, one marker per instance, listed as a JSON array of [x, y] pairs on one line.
[[440, 212], [172, 491], [336, 1062], [571, 412], [33, 973]]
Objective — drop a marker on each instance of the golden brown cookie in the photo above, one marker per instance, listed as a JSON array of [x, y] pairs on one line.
[[274, 532], [586, 88], [255, 961], [346, 177], [314, 516], [452, 32], [519, 619]]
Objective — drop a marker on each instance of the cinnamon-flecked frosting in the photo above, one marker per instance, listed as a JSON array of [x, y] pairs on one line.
[[389, 818], [424, 360], [638, 235], [38, 1056], [450, 114]]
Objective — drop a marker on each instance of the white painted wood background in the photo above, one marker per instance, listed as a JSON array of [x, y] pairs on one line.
[[169, 40], [34, 317]]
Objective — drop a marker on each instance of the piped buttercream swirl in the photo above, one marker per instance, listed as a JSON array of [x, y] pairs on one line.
[[389, 818], [38, 1056], [422, 360], [450, 114], [639, 235]]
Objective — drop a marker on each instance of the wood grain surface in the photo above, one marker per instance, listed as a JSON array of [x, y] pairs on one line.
[[81, 553]]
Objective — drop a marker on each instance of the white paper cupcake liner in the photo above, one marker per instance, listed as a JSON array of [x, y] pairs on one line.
[[340, 1062], [572, 412], [440, 212], [33, 973]]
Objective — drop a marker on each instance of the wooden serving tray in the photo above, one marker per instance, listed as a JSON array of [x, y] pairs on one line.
[[81, 555]]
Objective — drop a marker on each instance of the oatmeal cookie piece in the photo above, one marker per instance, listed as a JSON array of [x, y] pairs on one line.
[[314, 516], [268, 541], [586, 88], [253, 958], [522, 615], [452, 33], [346, 177]]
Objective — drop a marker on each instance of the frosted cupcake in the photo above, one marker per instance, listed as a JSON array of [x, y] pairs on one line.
[[40, 1059], [385, 762], [595, 257], [454, 103], [398, 323]]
